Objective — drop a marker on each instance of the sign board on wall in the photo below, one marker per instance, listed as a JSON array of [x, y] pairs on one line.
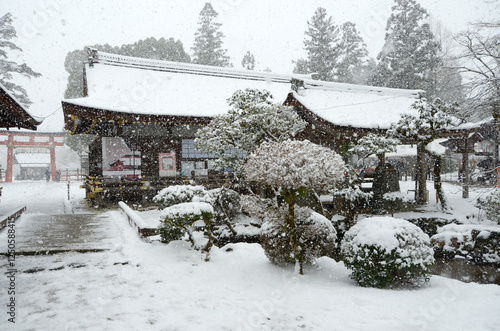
[[167, 163], [120, 158]]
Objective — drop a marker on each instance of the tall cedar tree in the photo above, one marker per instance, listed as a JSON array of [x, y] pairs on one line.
[[207, 47], [320, 42], [410, 51], [353, 55], [335, 53], [7, 68]]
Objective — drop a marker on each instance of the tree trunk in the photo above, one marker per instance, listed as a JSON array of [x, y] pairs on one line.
[[437, 182], [210, 243], [290, 226], [421, 194]]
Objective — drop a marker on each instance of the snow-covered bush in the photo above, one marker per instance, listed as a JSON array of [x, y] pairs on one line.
[[295, 168], [314, 231], [253, 119], [474, 242], [386, 252], [179, 220], [491, 205], [226, 203], [176, 194], [394, 201]]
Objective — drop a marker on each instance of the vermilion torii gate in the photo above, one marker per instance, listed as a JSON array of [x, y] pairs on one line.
[[30, 139]]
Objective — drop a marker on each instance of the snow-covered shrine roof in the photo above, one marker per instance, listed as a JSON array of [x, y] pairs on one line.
[[135, 89], [152, 87], [14, 114], [357, 106]]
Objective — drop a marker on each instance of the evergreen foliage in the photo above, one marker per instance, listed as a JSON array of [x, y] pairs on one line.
[[252, 120], [248, 61], [491, 205], [151, 48], [434, 118], [334, 53], [387, 252], [410, 51], [8, 68], [207, 48], [179, 220], [374, 144], [294, 168]]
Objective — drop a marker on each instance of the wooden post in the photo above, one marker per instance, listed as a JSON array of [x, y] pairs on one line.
[[10, 162], [53, 163], [465, 174]]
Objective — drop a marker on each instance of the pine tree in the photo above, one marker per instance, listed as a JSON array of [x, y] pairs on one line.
[[248, 61], [433, 119], [321, 38], [207, 47], [353, 55], [410, 51], [253, 119], [7, 68]]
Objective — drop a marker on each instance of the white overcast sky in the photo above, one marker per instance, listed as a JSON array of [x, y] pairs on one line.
[[272, 30]]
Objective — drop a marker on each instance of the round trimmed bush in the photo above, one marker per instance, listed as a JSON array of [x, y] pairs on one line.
[[316, 235], [387, 252]]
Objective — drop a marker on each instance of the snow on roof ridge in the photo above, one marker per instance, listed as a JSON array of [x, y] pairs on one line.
[[36, 118], [181, 67], [335, 86]]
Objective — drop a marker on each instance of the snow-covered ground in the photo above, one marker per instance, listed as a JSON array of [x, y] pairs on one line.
[[151, 286]]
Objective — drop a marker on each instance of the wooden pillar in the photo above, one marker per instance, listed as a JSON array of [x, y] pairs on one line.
[[53, 163], [10, 162], [10, 159], [465, 174]]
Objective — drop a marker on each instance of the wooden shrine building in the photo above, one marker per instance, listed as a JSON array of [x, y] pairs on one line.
[[13, 114], [145, 113]]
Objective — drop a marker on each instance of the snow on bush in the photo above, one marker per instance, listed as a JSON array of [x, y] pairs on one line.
[[491, 205], [386, 252], [176, 194], [179, 220], [295, 164], [294, 168], [253, 119], [396, 201], [315, 232], [477, 243]]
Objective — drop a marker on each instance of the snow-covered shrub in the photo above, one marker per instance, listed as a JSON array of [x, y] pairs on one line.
[[474, 242], [295, 168], [179, 220], [176, 194], [491, 205], [254, 117], [394, 201], [350, 200], [314, 231], [226, 203], [386, 252]]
